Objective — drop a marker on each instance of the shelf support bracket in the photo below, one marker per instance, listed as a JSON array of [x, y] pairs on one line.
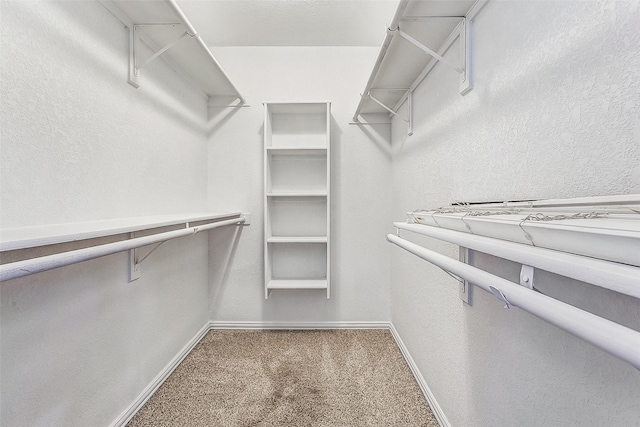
[[408, 120], [134, 49], [465, 56], [135, 261], [526, 276], [430, 52]]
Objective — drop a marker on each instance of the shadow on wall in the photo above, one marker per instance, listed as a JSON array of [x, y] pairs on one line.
[[561, 373], [220, 111], [223, 245], [378, 133], [83, 32], [539, 80]]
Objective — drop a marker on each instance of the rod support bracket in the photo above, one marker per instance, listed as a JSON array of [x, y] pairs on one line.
[[498, 294], [135, 272], [526, 276], [134, 266]]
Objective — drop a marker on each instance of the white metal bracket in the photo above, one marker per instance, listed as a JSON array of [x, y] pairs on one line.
[[134, 260], [465, 56], [465, 289], [430, 51], [135, 64], [409, 119], [465, 52], [134, 267], [498, 294], [526, 276]]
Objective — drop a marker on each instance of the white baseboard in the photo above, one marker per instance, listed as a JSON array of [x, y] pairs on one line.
[[298, 325], [142, 398], [131, 410], [435, 408]]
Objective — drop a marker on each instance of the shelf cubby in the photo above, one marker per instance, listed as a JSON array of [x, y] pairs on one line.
[[297, 170]]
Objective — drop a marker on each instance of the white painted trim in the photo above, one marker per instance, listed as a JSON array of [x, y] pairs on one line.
[[298, 325], [135, 406], [435, 408]]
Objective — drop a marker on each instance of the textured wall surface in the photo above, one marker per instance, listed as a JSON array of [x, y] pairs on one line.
[[360, 186], [555, 113], [77, 143], [79, 343]]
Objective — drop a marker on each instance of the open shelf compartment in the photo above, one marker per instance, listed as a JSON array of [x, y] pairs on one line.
[[297, 171]]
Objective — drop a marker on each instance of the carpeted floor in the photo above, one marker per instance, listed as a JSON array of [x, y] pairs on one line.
[[290, 378]]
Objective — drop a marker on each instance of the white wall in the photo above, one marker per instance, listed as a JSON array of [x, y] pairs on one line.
[[78, 143], [555, 113], [360, 186]]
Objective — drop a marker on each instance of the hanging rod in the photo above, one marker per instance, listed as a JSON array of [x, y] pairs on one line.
[[618, 277], [609, 336], [36, 265]]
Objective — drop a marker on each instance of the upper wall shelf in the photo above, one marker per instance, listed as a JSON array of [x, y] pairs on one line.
[[420, 33], [168, 32], [51, 234]]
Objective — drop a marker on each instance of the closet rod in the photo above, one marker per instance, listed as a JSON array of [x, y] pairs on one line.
[[36, 265], [618, 277], [391, 29], [611, 337]]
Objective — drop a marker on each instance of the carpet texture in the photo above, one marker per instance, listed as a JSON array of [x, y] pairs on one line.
[[290, 378]]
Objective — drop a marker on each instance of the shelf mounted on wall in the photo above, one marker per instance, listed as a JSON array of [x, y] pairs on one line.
[[297, 196], [163, 27], [422, 25]]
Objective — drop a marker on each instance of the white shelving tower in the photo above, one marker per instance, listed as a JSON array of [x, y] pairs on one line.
[[297, 196]]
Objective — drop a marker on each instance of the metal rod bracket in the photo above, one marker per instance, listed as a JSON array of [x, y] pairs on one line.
[[526, 276], [134, 266], [498, 294]]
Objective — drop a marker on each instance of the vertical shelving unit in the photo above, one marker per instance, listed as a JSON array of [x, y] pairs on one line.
[[297, 196]]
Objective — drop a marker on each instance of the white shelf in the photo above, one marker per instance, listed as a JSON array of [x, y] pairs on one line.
[[297, 239], [402, 65], [159, 24], [297, 196], [297, 284], [297, 151], [50, 234], [612, 233]]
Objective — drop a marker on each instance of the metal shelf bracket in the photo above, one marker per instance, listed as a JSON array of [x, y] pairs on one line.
[[135, 64], [408, 120], [429, 51], [465, 52], [135, 260]]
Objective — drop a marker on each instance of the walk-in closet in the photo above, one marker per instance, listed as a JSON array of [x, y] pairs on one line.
[[319, 213]]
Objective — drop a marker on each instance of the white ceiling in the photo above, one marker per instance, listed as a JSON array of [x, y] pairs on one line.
[[290, 22]]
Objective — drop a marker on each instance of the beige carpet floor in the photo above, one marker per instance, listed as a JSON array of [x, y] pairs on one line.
[[290, 378]]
